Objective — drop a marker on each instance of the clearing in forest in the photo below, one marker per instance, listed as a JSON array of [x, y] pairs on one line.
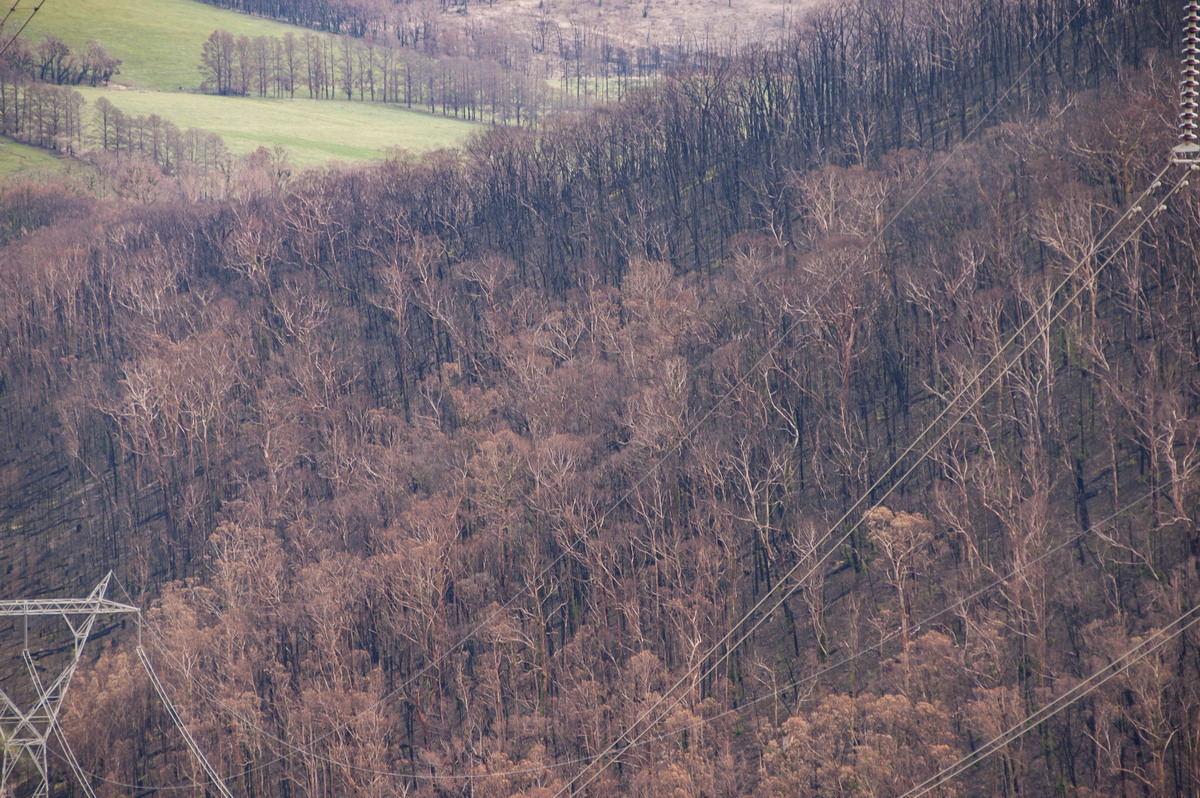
[[159, 43], [314, 131]]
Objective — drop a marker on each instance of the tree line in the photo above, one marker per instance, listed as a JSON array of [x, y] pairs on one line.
[[587, 64], [333, 16], [159, 139], [583, 394], [40, 114], [53, 61], [351, 69], [133, 153], [52, 117]]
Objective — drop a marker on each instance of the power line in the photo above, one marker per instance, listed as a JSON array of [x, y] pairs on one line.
[[884, 640], [878, 646], [688, 434], [307, 748], [25, 24], [725, 641], [924, 622], [1079, 691], [974, 381], [157, 684], [693, 428], [213, 776], [125, 784], [69, 756], [452, 777]]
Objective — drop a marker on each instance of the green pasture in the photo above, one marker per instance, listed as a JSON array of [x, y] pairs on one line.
[[315, 131], [159, 41], [21, 159]]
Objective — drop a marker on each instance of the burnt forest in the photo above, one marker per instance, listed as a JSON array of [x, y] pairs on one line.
[[820, 419]]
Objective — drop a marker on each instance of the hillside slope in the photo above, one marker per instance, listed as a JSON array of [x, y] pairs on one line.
[[159, 43], [442, 476]]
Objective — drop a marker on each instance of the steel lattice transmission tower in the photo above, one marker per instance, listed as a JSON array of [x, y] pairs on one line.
[[1188, 149], [24, 732]]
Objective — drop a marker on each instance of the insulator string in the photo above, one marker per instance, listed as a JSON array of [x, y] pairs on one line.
[[1188, 150]]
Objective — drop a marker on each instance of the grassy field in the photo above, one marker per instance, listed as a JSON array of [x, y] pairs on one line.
[[159, 41], [315, 131], [19, 159]]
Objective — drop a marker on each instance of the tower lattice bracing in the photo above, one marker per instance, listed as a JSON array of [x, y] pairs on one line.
[[24, 732], [1188, 149]]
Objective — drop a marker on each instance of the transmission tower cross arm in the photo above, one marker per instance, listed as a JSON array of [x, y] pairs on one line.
[[26, 726], [33, 607], [94, 604]]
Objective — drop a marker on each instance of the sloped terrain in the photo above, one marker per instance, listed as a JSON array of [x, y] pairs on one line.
[[453, 476]]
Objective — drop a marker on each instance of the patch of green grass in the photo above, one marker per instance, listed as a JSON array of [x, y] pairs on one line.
[[18, 159], [315, 131], [159, 41]]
